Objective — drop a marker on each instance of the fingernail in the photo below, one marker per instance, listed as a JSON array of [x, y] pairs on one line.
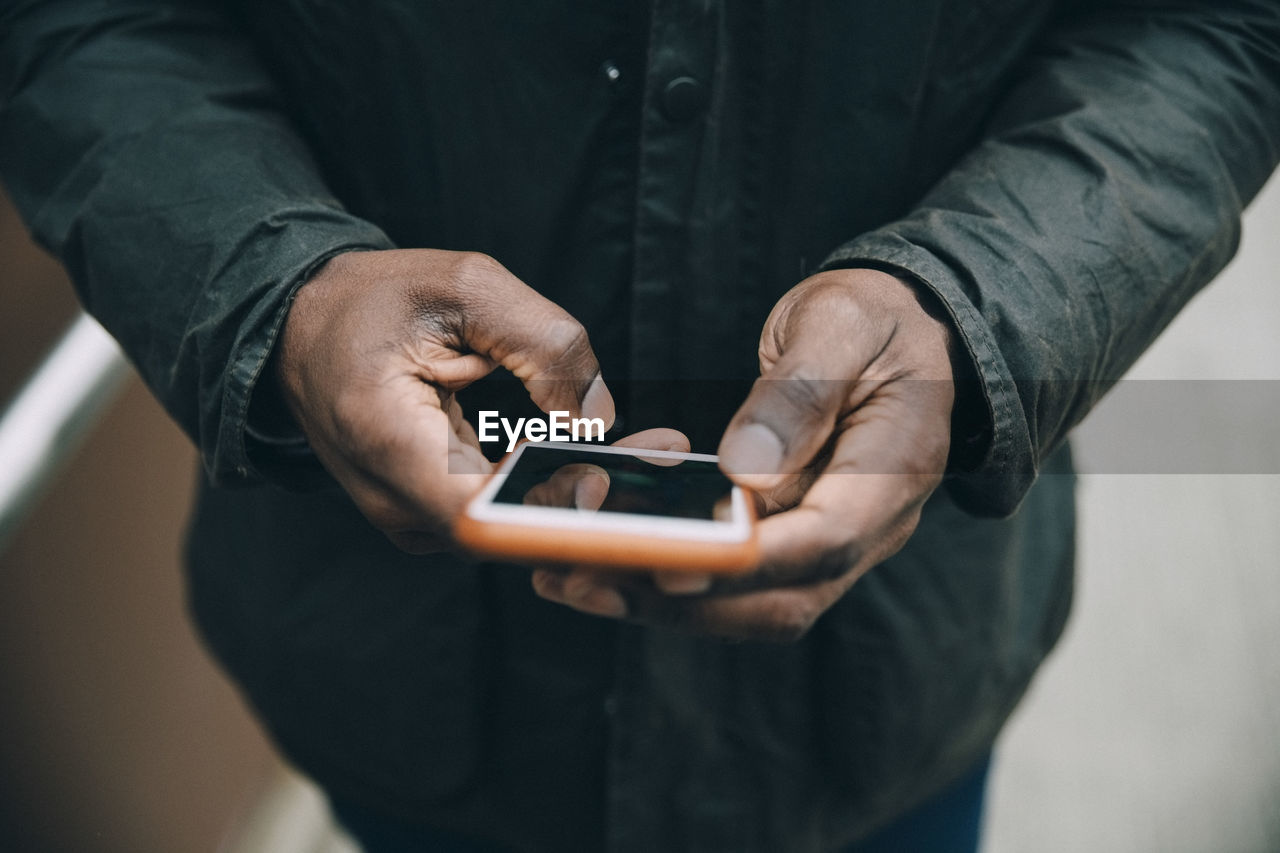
[[752, 449], [598, 402], [682, 583]]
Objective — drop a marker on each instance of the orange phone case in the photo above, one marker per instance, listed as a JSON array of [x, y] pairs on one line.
[[529, 543]]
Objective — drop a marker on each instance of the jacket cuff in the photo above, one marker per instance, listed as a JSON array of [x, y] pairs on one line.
[[253, 444], [993, 462]]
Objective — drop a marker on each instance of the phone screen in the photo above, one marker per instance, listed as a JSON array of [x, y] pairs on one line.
[[634, 485]]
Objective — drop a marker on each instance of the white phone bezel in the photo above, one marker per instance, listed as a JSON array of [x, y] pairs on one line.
[[736, 528]]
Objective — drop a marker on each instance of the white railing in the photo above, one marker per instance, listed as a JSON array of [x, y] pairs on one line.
[[52, 413]]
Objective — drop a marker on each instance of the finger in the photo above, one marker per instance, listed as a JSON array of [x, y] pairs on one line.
[[779, 615], [790, 489], [584, 595], [656, 439], [682, 583], [590, 488], [410, 474], [578, 486], [450, 370], [792, 409], [458, 422], [586, 486], [580, 582], [538, 341]]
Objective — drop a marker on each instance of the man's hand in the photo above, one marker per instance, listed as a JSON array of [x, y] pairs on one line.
[[844, 437], [373, 350]]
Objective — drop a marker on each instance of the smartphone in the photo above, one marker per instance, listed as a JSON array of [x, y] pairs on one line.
[[616, 507]]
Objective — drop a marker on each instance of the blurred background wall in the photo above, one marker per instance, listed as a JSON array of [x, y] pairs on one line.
[[117, 733], [1155, 726]]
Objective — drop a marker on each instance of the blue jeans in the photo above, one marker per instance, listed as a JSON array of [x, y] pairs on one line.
[[947, 823]]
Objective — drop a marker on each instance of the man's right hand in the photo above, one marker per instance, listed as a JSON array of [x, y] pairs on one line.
[[374, 347]]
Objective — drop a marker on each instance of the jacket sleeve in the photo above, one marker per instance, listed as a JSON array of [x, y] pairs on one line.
[[1106, 191], [144, 146]]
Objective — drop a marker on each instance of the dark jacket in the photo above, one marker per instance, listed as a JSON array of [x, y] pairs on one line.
[[1064, 176]]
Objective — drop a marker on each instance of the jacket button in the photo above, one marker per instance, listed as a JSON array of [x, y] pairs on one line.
[[683, 99]]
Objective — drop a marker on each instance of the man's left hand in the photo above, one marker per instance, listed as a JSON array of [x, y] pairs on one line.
[[843, 438]]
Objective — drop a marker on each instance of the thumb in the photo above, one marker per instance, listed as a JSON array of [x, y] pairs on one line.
[[792, 410]]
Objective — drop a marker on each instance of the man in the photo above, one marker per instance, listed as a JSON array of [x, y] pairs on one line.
[[955, 224]]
